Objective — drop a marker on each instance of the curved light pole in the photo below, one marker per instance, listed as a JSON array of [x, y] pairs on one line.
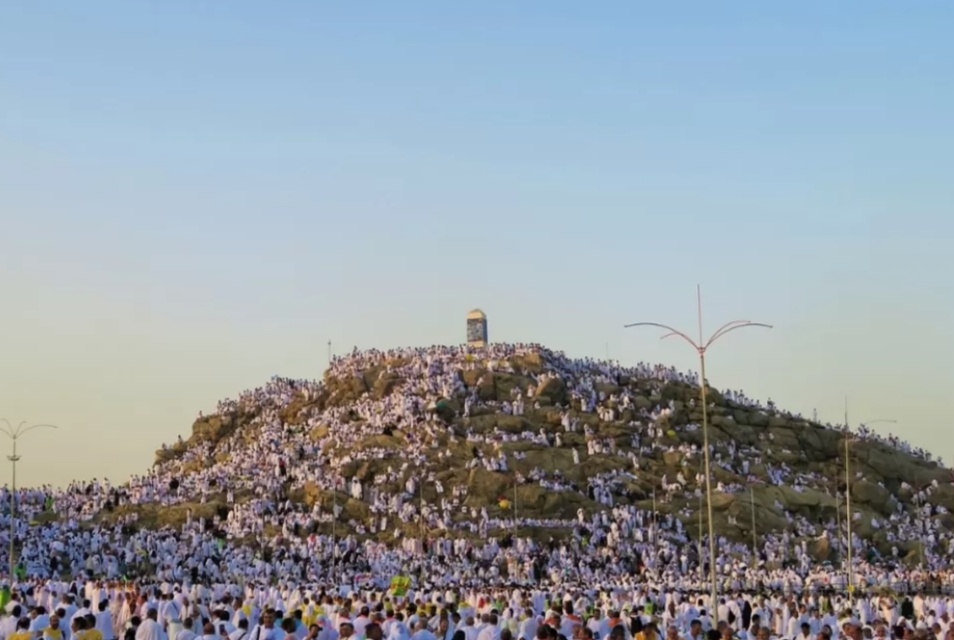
[[334, 510], [701, 347], [14, 434], [918, 505], [848, 514], [841, 553]]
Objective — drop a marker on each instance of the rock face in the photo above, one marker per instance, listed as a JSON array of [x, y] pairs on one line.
[[209, 430], [786, 471], [553, 391]]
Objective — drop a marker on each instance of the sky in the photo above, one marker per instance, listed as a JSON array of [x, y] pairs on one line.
[[196, 196]]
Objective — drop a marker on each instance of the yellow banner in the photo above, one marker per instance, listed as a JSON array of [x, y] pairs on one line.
[[400, 585]]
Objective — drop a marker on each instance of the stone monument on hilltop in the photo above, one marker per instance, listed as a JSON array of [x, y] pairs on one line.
[[476, 328]]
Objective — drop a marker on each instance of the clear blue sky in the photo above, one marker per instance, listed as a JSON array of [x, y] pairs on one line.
[[195, 196]]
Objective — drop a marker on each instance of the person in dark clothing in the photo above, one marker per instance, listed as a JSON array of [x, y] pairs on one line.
[[746, 614], [907, 609], [133, 626]]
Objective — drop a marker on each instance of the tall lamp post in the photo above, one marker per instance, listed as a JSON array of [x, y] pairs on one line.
[[336, 470], [14, 433], [701, 346], [848, 515], [755, 537], [841, 553], [516, 481], [918, 505]]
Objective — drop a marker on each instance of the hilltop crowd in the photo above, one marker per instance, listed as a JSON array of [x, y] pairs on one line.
[[409, 518]]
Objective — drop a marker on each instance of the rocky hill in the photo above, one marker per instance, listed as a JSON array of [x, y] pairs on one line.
[[450, 441]]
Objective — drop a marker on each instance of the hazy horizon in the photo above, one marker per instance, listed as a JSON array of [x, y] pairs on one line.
[[197, 196]]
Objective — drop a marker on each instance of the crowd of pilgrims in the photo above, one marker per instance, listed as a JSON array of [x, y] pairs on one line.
[[263, 535], [106, 610]]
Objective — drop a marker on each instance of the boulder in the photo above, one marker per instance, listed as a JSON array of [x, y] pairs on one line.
[[554, 390], [528, 363], [483, 381], [606, 388], [821, 550], [672, 458], [346, 390], [871, 495], [384, 384], [757, 418]]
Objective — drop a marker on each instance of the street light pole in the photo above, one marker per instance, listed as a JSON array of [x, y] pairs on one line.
[[14, 434], [701, 346], [423, 526], [848, 514], [655, 544], [841, 555], [917, 513], [755, 540], [334, 530], [515, 515], [851, 591], [700, 538]]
